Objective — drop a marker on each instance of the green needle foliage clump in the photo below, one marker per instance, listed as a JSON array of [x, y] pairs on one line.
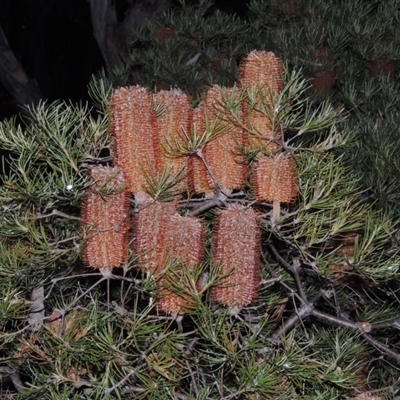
[[325, 324]]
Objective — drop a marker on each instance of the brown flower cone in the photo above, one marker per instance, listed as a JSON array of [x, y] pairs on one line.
[[289, 6], [345, 243], [262, 70], [274, 179], [164, 33], [344, 247], [198, 177], [236, 245], [135, 139], [341, 272], [183, 240], [227, 167], [108, 217], [177, 116], [147, 228], [382, 66], [324, 82]]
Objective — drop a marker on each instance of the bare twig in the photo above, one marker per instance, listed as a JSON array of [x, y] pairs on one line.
[[36, 315], [294, 269], [56, 213]]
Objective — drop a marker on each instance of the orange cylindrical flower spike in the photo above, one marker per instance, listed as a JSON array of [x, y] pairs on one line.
[[183, 242], [262, 68], [198, 176], [135, 139], [236, 249], [262, 73], [105, 211], [147, 229], [274, 179], [173, 121], [221, 153]]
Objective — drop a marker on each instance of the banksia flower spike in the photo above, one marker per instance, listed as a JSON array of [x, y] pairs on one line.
[[147, 229], [105, 211], [182, 241], [198, 177], [262, 73], [274, 179], [263, 69], [161, 235], [174, 118], [133, 129], [236, 249], [228, 169], [220, 153]]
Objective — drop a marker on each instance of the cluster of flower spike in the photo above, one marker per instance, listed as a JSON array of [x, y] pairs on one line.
[[151, 132]]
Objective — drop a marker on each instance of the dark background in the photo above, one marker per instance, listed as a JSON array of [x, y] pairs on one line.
[[54, 43]]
